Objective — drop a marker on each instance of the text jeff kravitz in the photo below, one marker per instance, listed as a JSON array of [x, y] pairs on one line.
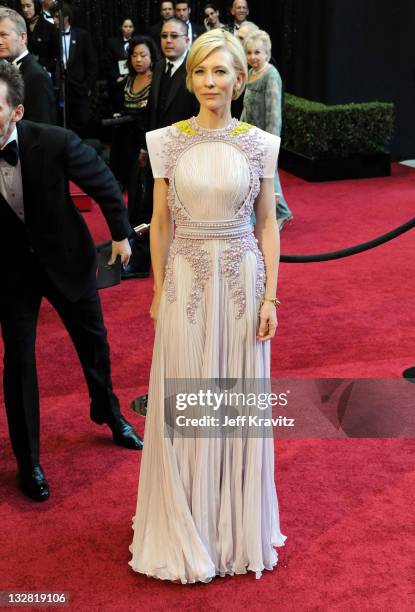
[[239, 421]]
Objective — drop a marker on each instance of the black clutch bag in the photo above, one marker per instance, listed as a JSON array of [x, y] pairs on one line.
[[109, 275]]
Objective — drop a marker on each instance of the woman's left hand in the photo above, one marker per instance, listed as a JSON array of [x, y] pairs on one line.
[[267, 324]]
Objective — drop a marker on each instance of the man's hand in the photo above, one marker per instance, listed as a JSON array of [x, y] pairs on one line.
[[121, 248]]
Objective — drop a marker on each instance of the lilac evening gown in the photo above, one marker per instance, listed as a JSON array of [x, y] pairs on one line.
[[208, 506]]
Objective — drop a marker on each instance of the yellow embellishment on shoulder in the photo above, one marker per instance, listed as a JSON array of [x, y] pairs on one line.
[[185, 128], [241, 128]]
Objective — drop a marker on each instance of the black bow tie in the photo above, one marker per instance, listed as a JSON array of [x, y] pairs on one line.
[[68, 33], [10, 153]]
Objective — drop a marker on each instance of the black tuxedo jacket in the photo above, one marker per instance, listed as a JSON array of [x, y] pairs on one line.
[[54, 228], [82, 67], [180, 104], [39, 100], [197, 30], [115, 53], [43, 42]]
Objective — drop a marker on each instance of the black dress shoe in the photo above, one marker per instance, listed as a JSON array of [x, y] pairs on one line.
[[34, 484], [124, 434]]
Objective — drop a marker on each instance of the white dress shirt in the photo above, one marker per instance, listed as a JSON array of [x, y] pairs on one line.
[[177, 63], [48, 17], [189, 32], [11, 185], [66, 45], [126, 42], [18, 60]]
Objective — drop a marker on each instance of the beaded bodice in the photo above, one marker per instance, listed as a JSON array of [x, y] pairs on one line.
[[214, 178], [213, 174]]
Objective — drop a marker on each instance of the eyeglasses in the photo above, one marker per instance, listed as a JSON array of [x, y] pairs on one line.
[[166, 36]]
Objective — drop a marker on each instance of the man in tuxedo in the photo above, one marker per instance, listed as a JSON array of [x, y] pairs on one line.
[[79, 66], [182, 11], [46, 7], [39, 102], [115, 59], [53, 256], [169, 102], [166, 12], [239, 12]]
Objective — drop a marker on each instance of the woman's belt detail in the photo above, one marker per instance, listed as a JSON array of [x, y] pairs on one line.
[[213, 230]]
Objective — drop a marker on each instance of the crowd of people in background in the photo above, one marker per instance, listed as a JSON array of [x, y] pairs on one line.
[[146, 84]]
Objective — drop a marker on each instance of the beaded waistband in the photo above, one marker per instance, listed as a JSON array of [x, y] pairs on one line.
[[214, 230]]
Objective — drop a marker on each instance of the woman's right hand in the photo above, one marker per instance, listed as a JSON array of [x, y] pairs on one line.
[[154, 308]]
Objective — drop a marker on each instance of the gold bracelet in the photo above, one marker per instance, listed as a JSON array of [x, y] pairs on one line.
[[274, 301]]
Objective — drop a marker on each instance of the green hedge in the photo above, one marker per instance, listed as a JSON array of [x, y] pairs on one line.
[[320, 131]]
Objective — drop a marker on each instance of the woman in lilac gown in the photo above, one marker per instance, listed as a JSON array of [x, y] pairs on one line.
[[207, 506]]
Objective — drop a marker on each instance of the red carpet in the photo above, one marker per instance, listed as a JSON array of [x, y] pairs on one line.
[[346, 505]]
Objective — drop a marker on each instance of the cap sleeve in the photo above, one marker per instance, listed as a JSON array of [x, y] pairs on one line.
[[271, 155], [156, 146]]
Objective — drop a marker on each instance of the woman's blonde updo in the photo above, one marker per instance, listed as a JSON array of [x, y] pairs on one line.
[[259, 36], [215, 40]]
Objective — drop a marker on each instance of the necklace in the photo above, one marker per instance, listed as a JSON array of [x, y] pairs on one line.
[[260, 71]]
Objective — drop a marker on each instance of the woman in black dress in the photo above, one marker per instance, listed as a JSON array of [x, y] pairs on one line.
[[42, 36], [134, 91]]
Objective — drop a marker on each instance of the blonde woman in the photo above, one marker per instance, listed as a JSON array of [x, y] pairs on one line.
[[207, 505], [262, 101], [246, 28]]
